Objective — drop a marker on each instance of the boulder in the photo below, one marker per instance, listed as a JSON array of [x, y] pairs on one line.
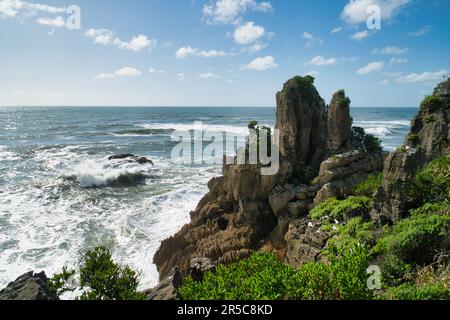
[[305, 240], [30, 286], [340, 174], [167, 288], [131, 158], [280, 197], [200, 266]]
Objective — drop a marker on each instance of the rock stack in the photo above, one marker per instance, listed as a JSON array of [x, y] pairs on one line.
[[245, 211]]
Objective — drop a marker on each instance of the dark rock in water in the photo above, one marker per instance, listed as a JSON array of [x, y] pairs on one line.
[[200, 266], [30, 286], [429, 139], [132, 158], [167, 288]]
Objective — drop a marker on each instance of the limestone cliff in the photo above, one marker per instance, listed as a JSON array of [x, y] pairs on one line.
[[245, 211], [429, 138]]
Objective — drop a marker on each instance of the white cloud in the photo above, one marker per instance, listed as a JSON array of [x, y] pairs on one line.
[[320, 61], [422, 31], [208, 75], [385, 82], [181, 76], [231, 11], [104, 76], [261, 64], [355, 11], [107, 37], [124, 72], [423, 77], [248, 34], [153, 71], [136, 44], [311, 39], [185, 52], [372, 67], [57, 22], [358, 36], [336, 30], [100, 36], [398, 61], [11, 8], [390, 50], [127, 72], [258, 46]]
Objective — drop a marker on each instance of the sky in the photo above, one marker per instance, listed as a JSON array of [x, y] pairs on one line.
[[219, 52]]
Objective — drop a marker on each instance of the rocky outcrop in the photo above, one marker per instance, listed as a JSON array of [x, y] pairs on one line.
[[30, 286], [429, 139], [340, 174], [391, 200], [339, 123], [245, 211], [167, 288], [305, 240], [302, 121], [131, 158]]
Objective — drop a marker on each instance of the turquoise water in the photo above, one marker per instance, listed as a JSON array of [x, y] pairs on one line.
[[59, 193]]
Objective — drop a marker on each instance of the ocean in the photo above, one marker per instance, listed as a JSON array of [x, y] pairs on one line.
[[59, 194]]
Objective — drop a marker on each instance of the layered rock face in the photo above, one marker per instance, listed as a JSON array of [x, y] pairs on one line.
[[30, 286], [340, 174], [429, 139], [302, 121], [245, 211], [339, 123]]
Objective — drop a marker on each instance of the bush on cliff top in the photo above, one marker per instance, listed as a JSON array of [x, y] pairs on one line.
[[432, 184], [263, 277], [416, 240], [342, 209]]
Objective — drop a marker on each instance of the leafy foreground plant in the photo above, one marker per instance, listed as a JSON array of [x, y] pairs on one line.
[[100, 278], [264, 277]]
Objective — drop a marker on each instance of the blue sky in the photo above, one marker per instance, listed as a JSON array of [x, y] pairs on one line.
[[219, 53]]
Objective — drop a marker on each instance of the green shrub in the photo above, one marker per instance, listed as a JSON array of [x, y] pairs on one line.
[[413, 139], [394, 270], [61, 283], [364, 142], [402, 149], [432, 184], [263, 276], [431, 103], [369, 186], [443, 87], [428, 118], [417, 239], [342, 209], [412, 292], [432, 208], [100, 278], [356, 231]]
